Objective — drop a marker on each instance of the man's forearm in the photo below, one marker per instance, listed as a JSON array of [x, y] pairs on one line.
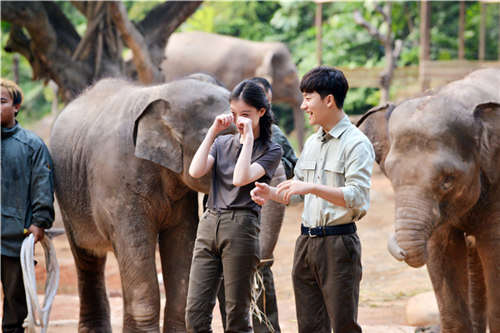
[[330, 194]]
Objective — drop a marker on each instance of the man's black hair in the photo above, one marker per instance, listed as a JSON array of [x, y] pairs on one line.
[[263, 82], [326, 81]]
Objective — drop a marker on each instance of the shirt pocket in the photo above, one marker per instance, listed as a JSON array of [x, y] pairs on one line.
[[335, 173], [309, 167]]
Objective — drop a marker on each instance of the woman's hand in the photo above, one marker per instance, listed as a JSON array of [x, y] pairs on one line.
[[222, 122], [244, 125]]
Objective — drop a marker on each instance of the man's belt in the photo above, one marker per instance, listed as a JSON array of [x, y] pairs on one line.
[[342, 229]]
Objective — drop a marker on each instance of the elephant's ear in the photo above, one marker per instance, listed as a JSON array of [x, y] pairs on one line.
[[374, 124], [154, 138], [265, 70], [489, 146]]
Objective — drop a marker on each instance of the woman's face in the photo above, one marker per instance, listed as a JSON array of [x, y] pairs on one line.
[[241, 109]]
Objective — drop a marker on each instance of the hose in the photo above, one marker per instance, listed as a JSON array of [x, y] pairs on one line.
[[39, 316]]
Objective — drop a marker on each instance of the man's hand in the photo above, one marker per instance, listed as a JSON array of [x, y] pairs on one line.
[[291, 187], [222, 122], [37, 232], [260, 194]]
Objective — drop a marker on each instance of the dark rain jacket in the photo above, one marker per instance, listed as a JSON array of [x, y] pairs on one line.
[[27, 187], [288, 158]]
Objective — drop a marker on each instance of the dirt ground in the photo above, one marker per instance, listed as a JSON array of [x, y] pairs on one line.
[[385, 288]]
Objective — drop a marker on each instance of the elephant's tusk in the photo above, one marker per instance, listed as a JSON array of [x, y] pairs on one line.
[[394, 249]]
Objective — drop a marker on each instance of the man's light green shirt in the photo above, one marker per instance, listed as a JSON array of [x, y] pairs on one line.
[[343, 158]]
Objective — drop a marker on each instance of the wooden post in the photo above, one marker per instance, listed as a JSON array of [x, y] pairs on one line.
[[482, 31], [319, 30], [461, 28], [15, 67], [424, 55]]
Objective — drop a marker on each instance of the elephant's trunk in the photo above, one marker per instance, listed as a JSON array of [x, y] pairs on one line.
[[415, 220], [394, 249]]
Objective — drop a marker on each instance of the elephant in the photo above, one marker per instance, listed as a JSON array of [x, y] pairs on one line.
[[122, 153], [441, 153], [232, 60]]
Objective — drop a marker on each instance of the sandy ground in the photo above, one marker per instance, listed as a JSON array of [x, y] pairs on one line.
[[385, 288]]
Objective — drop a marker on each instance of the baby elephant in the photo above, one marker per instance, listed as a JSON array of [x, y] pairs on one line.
[[441, 153], [121, 155]]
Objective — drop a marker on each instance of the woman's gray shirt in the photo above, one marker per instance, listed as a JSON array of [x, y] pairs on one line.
[[226, 150]]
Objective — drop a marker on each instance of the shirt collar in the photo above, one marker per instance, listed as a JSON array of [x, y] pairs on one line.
[[7, 132], [336, 131]]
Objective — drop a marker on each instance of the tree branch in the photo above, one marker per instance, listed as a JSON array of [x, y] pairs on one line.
[[398, 47], [358, 18], [172, 14], [381, 11], [147, 72]]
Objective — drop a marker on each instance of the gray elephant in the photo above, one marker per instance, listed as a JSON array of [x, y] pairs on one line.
[[441, 153], [121, 155], [232, 60]]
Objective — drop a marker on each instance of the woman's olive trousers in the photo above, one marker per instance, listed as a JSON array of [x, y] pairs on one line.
[[227, 243]]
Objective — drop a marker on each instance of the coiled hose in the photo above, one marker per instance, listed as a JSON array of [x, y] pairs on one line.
[[39, 316]]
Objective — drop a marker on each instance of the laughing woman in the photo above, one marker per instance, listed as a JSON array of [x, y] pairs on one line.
[[227, 242]]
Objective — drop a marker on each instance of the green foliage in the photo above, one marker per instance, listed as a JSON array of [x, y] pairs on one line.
[[137, 10], [345, 43]]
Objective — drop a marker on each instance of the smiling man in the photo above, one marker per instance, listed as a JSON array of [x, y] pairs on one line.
[[333, 173]]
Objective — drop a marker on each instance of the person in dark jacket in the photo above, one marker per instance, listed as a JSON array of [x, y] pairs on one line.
[[27, 201]]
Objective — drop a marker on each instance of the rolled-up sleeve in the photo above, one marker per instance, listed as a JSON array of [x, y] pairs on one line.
[[42, 188], [358, 171]]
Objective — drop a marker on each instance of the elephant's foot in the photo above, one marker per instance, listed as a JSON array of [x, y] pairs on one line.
[[152, 329], [429, 329], [94, 327], [174, 327]]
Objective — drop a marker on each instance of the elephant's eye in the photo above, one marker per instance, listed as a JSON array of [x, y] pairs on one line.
[[447, 182]]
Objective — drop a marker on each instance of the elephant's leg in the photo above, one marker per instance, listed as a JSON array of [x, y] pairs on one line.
[[272, 214], [477, 287], [176, 251], [94, 305], [447, 266], [134, 244], [489, 251]]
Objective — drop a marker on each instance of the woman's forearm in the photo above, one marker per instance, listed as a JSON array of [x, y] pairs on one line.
[[200, 164], [242, 172]]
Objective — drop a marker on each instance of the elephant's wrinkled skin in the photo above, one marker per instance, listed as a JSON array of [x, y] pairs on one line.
[[121, 155], [231, 60], [442, 155]]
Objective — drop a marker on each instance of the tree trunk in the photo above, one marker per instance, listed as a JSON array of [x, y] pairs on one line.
[[461, 28], [392, 47], [319, 30], [56, 51], [482, 31], [390, 63], [424, 55], [15, 67]]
